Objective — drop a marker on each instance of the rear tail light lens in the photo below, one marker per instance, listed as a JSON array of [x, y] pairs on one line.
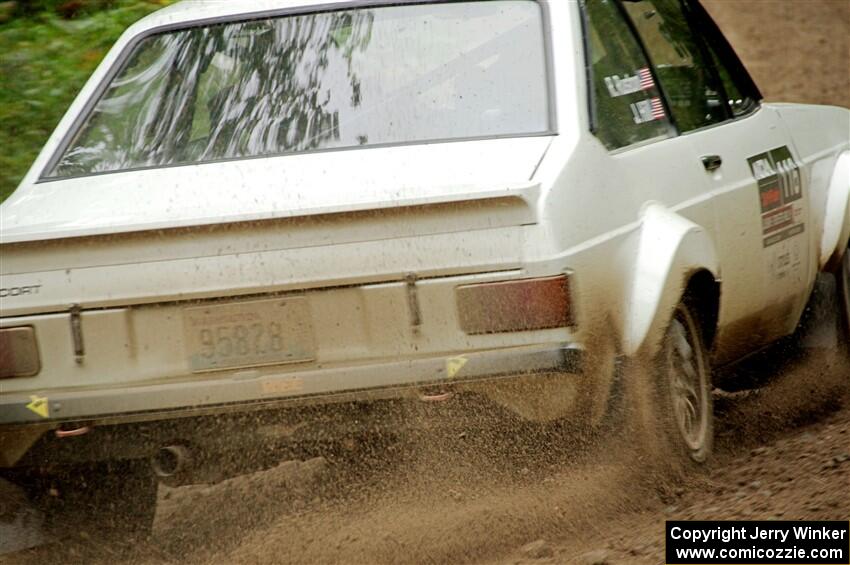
[[18, 353], [517, 305]]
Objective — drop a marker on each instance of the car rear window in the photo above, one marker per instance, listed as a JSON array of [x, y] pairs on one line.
[[340, 79]]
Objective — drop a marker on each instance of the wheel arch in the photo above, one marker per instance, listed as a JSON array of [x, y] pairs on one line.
[[836, 220], [674, 258], [702, 291]]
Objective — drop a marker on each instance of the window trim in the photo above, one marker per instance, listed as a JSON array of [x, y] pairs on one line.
[[702, 45], [661, 90], [703, 27], [591, 91], [697, 17], [123, 59], [593, 120], [710, 37]]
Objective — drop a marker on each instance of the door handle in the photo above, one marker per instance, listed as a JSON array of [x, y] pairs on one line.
[[711, 162]]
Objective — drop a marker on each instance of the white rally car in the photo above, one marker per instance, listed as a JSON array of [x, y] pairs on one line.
[[259, 214]]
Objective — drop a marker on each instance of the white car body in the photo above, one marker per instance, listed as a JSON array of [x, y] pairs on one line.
[[356, 232]]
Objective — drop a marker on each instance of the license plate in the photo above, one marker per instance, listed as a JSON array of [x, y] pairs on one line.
[[247, 334]]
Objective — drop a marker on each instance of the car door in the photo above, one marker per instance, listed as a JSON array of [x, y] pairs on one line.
[[647, 160], [750, 168]]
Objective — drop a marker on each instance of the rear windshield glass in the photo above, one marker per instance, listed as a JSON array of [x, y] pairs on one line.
[[351, 78]]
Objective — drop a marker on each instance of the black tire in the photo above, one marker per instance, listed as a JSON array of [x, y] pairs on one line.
[[668, 408], [112, 498], [683, 403], [842, 276]]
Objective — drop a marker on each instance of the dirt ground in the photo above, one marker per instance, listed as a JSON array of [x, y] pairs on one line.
[[796, 50], [543, 496], [783, 451]]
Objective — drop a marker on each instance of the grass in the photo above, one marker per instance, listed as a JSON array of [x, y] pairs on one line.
[[44, 62]]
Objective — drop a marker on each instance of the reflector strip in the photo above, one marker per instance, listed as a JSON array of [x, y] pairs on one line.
[[509, 306], [18, 352]]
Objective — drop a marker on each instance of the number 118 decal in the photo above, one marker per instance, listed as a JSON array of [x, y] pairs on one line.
[[780, 187]]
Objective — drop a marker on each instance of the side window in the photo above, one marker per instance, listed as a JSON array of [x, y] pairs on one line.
[[694, 97], [741, 92], [627, 105], [740, 102]]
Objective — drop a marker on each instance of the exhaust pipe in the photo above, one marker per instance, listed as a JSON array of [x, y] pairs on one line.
[[172, 463]]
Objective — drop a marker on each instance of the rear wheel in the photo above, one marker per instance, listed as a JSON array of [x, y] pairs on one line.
[[669, 407], [682, 405], [843, 279]]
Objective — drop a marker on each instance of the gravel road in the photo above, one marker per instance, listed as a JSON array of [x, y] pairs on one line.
[[783, 451]]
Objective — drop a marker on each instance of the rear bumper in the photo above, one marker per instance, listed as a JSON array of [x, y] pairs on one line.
[[253, 390]]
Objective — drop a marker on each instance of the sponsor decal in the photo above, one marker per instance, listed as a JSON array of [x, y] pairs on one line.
[[780, 192], [785, 261], [777, 219], [783, 235], [641, 79], [648, 110]]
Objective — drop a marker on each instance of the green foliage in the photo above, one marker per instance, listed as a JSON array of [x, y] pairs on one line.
[[63, 7], [44, 62]]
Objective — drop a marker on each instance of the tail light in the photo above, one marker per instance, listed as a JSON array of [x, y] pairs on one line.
[[18, 352], [516, 305]]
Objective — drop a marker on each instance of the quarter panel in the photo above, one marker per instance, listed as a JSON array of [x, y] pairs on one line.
[[820, 135], [670, 249]]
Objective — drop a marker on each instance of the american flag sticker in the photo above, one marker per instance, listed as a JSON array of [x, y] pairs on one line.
[[648, 110], [645, 77], [629, 84], [657, 109]]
